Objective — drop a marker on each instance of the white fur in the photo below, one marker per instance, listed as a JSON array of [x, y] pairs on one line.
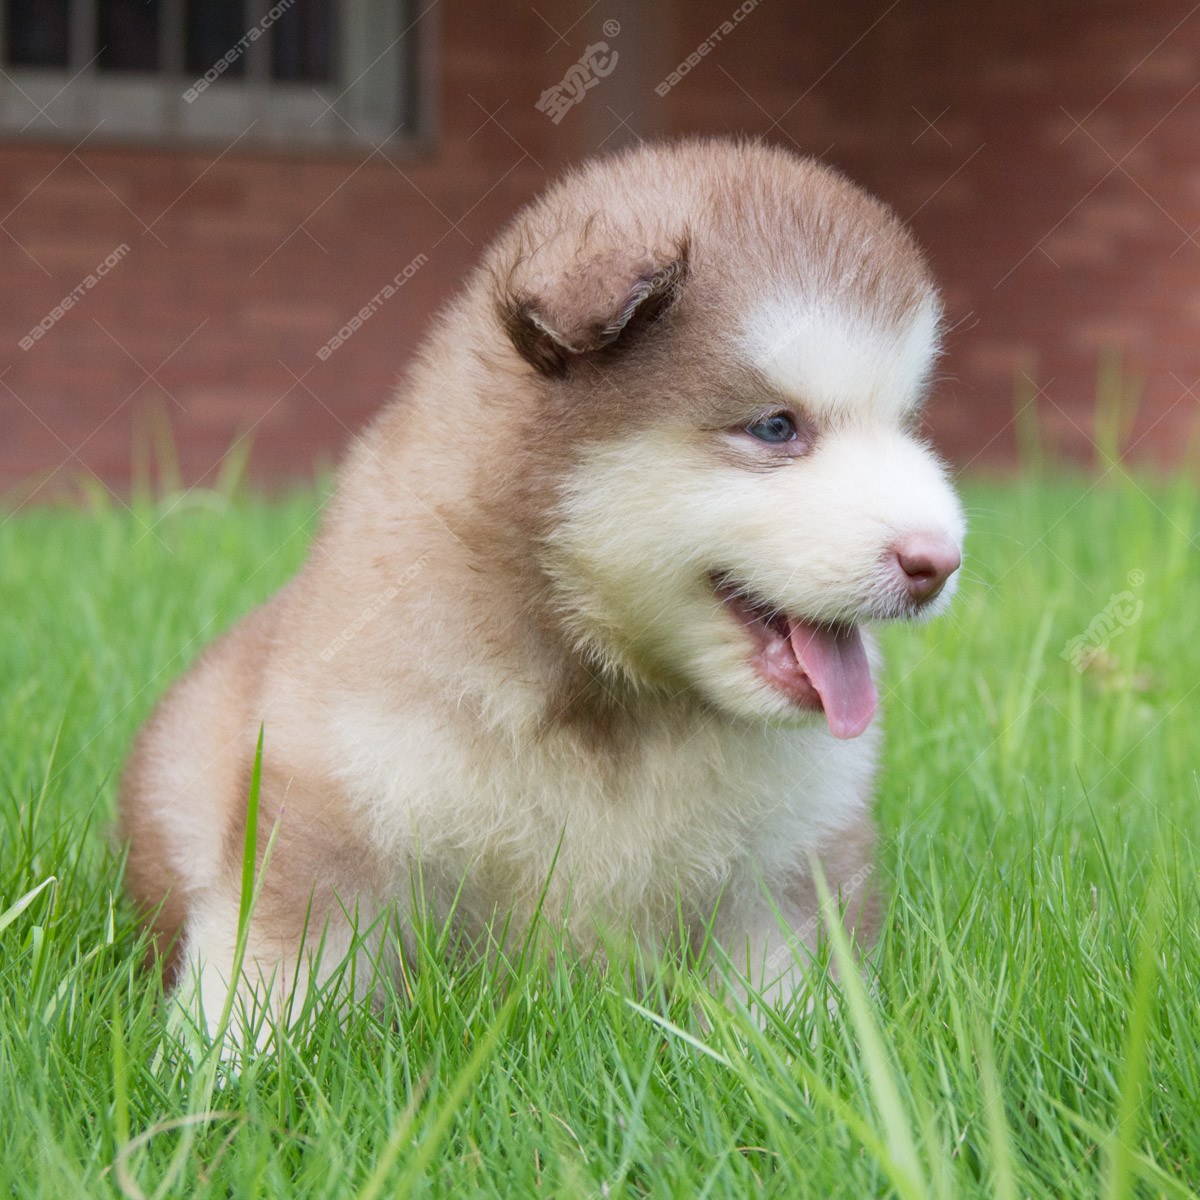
[[645, 520], [837, 357], [708, 805]]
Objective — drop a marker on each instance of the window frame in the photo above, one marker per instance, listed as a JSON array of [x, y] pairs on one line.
[[252, 111]]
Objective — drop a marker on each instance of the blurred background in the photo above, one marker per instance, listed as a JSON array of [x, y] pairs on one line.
[[226, 225]]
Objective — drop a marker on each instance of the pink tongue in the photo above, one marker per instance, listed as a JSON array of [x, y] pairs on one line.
[[835, 660]]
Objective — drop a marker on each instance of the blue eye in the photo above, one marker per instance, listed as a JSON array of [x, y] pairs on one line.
[[778, 427]]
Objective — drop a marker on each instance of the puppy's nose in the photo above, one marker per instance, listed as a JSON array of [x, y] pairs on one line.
[[925, 561]]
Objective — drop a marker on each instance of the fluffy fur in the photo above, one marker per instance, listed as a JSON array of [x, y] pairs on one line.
[[508, 661]]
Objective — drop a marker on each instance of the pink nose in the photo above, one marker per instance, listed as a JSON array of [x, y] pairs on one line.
[[925, 562]]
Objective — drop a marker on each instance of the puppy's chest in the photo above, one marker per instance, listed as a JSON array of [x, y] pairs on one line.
[[616, 834]]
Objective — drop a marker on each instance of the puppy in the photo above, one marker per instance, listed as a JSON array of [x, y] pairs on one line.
[[586, 626]]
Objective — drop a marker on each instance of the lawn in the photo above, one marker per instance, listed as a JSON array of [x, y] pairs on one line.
[[1033, 1026]]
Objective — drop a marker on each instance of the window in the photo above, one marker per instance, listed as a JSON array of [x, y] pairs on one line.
[[296, 72]]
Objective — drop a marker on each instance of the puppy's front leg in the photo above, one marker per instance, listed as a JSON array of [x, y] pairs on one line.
[[238, 1003], [313, 897], [242, 1003], [771, 937]]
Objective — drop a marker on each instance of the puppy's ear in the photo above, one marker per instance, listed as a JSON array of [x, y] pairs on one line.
[[592, 303]]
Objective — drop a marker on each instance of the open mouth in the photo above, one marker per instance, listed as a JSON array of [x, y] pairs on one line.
[[816, 665]]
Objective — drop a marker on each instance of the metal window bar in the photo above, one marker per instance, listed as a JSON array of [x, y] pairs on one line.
[[82, 24], [258, 54], [171, 38]]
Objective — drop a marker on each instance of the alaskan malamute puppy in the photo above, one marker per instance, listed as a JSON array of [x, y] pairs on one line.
[[587, 621]]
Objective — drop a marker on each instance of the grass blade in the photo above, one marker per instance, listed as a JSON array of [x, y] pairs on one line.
[[14, 910], [905, 1165]]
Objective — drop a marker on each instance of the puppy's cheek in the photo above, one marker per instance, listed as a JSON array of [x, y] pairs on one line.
[[716, 662], [714, 659]]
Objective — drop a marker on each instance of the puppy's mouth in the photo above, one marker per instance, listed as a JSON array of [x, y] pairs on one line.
[[816, 664]]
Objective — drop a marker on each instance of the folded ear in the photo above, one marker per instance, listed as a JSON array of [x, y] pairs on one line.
[[592, 301]]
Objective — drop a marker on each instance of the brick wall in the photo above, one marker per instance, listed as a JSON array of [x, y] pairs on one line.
[[1048, 157]]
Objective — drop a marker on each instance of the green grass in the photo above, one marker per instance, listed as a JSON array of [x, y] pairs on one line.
[[1033, 1030]]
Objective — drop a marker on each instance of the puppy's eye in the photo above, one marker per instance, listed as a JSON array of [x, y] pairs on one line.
[[777, 428]]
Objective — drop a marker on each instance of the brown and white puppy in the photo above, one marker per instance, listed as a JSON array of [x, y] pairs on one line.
[[587, 616]]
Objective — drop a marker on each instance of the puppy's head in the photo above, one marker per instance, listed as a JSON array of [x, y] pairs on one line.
[[729, 348]]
